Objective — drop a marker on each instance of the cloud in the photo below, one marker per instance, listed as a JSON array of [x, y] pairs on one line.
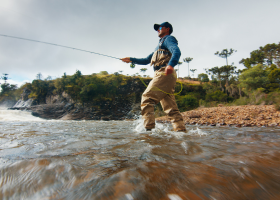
[[125, 28]]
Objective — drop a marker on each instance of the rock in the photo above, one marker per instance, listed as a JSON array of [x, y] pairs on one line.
[[250, 115], [272, 124], [24, 95], [247, 125]]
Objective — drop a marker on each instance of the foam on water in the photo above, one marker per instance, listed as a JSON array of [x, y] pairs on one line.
[[17, 115], [165, 129], [197, 131], [139, 125], [56, 159]]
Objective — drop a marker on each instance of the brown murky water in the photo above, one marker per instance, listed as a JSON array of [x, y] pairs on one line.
[[117, 160]]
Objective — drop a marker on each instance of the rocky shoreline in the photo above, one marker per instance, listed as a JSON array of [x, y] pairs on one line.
[[239, 116], [64, 108]]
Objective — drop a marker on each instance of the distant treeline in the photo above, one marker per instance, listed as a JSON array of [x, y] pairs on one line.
[[101, 87], [258, 83]]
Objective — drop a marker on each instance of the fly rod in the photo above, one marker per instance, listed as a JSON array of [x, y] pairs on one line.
[[57, 45]]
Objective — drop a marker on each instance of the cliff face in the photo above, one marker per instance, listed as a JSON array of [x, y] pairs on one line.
[[124, 105], [106, 110]]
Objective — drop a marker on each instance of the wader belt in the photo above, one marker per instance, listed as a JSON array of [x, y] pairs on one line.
[[158, 67]]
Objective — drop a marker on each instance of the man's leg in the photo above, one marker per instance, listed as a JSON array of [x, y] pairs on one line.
[[154, 93], [170, 107]]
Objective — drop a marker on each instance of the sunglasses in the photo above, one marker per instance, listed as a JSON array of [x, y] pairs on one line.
[[160, 28]]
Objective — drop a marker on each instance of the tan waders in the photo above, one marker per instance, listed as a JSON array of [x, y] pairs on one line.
[[160, 89]]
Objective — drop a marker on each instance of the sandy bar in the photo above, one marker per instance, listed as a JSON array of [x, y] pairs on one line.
[[240, 116]]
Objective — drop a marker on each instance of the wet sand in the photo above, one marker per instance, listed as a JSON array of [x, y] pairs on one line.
[[240, 116]]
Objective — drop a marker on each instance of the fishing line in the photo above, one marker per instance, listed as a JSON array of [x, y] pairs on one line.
[[132, 65], [58, 45]]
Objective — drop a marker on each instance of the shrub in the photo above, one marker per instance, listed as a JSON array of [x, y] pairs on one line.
[[218, 96], [187, 102]]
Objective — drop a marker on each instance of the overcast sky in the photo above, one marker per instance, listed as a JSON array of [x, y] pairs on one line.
[[124, 28]]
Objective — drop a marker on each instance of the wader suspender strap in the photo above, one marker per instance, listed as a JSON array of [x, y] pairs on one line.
[[159, 47]]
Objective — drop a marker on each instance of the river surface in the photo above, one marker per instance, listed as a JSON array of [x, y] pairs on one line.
[[100, 160]]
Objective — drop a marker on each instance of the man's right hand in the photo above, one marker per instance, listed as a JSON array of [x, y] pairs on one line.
[[126, 60]]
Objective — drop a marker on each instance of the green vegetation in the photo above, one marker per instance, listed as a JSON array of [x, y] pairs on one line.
[[100, 89], [258, 83], [8, 91], [267, 55]]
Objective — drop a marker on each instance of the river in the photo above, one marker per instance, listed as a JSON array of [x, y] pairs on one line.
[[55, 159]]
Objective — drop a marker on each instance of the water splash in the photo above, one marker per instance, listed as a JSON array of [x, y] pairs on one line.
[[139, 125], [197, 131], [17, 115], [108, 160]]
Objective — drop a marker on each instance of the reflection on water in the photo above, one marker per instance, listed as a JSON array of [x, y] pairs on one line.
[[117, 160]]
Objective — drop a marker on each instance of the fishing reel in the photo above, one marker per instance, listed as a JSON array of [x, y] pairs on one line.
[[132, 65]]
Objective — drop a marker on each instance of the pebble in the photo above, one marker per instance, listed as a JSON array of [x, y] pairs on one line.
[[240, 116]]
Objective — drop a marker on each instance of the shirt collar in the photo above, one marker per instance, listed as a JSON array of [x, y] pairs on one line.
[[163, 38]]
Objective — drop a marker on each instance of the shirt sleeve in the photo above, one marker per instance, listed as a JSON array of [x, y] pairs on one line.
[[172, 45], [142, 61]]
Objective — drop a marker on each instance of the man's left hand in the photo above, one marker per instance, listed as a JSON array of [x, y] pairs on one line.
[[169, 70]]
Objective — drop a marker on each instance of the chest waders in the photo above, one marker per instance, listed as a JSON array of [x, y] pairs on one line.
[[161, 90], [160, 59]]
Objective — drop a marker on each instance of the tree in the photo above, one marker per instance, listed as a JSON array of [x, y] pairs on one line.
[[203, 77], [143, 70], [271, 53], [274, 76], [254, 78], [227, 71], [188, 60], [39, 76], [6, 87], [116, 73], [193, 70], [267, 55], [225, 53], [40, 90], [103, 73], [206, 71], [49, 78], [5, 77], [218, 96], [217, 72], [78, 74], [179, 63], [274, 79]]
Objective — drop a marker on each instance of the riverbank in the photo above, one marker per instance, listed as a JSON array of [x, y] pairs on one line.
[[239, 116]]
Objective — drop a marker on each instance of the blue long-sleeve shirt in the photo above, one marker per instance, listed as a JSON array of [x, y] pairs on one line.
[[170, 43]]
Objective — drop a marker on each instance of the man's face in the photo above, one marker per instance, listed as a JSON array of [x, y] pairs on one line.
[[163, 31]]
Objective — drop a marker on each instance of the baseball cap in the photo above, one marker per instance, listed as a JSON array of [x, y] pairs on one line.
[[165, 24]]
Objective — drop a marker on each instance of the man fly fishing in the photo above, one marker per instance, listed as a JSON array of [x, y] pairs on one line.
[[161, 88]]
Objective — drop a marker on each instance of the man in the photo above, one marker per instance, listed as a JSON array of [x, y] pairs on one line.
[[162, 86]]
